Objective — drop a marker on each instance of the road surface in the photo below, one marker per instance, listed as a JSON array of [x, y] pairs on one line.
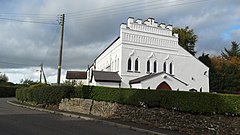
[[21, 121]]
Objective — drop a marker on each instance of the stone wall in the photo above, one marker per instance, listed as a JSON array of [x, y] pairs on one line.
[[158, 117]]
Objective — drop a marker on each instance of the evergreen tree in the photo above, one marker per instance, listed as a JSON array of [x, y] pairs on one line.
[[234, 51], [204, 58], [187, 39], [225, 74]]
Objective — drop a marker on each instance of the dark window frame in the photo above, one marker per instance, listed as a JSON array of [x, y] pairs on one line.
[[129, 66]]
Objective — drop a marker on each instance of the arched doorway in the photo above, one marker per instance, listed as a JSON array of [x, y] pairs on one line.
[[163, 86]]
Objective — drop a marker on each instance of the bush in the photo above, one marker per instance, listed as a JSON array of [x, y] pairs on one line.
[[45, 94], [192, 102], [7, 91]]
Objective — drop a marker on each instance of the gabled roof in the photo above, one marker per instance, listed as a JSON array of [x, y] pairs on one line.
[[76, 75], [143, 78], [107, 47], [105, 76]]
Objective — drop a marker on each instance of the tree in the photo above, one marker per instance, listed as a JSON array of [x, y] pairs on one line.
[[187, 39], [73, 83], [234, 51], [225, 74], [204, 58], [27, 82], [3, 78]]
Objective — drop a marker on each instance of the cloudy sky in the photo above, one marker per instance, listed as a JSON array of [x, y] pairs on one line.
[[30, 33]]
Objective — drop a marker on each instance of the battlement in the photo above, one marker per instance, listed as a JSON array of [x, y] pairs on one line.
[[149, 26]]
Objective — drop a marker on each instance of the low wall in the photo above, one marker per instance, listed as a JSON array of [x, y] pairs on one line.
[[158, 117]]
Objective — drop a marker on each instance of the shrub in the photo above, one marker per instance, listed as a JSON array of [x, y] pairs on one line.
[[193, 102], [86, 91], [44, 94], [7, 91]]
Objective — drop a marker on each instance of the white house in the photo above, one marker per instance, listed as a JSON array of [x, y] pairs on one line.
[[147, 55]]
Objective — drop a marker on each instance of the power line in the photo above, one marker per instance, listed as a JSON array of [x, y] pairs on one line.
[[28, 21], [19, 64], [54, 37], [150, 6], [27, 14], [112, 7]]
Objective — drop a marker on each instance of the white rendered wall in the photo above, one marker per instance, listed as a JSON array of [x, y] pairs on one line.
[[155, 42], [137, 86], [110, 59], [158, 44], [108, 84], [155, 81]]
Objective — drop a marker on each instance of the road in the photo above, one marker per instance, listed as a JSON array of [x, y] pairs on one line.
[[21, 121]]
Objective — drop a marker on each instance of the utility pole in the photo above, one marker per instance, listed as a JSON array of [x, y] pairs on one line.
[[62, 17], [42, 74], [41, 69]]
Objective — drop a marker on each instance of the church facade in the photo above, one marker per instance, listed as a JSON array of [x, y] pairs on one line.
[[146, 55]]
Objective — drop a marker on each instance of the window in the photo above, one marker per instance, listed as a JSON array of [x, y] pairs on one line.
[[136, 64], [129, 64], [164, 66], [155, 66], [171, 68], [117, 67], [112, 66], [148, 66]]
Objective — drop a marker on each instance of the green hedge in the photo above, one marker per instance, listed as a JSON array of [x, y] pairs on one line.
[[7, 91], [193, 102], [45, 94]]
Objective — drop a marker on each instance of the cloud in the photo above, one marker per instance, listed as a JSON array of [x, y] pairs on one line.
[[91, 26]]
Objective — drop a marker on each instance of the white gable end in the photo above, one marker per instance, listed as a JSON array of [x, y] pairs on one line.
[[146, 47]]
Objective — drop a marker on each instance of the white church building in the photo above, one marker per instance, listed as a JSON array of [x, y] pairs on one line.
[[146, 55]]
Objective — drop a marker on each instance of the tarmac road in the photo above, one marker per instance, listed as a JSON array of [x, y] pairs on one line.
[[21, 121], [17, 119]]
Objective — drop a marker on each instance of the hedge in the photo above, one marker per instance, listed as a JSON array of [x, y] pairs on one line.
[[45, 94], [7, 91], [192, 102]]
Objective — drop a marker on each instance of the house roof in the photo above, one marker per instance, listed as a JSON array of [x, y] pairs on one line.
[[105, 76], [143, 78], [76, 75]]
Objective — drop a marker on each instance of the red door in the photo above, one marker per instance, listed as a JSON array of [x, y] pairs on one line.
[[163, 86]]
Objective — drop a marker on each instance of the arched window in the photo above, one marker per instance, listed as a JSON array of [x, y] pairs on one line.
[[164, 67], [112, 66], [117, 64], [148, 66], [155, 66], [171, 68], [129, 64], [136, 64]]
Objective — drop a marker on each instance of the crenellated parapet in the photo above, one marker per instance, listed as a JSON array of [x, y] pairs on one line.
[[149, 26], [149, 33]]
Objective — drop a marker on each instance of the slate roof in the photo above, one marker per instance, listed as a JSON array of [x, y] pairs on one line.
[[76, 75], [140, 79], [105, 76]]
